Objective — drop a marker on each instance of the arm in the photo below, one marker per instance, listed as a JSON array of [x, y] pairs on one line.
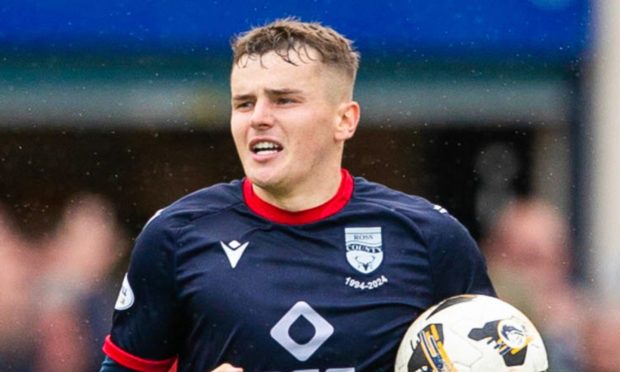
[[457, 264], [145, 334]]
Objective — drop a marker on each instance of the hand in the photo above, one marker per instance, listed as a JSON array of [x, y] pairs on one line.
[[227, 368]]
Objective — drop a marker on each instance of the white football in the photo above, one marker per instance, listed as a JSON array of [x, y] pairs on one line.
[[471, 333]]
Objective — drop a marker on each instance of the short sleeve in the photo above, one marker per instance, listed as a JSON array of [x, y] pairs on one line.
[[457, 264], [145, 329]]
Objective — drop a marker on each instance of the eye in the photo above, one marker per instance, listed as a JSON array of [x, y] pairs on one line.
[[285, 100], [241, 105]]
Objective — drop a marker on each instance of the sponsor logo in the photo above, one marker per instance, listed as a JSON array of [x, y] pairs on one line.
[[364, 248], [125, 297], [322, 331], [234, 250]]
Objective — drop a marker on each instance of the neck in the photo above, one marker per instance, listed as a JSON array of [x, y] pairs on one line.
[[302, 197]]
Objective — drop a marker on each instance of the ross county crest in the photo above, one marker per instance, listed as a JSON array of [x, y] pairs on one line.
[[364, 248]]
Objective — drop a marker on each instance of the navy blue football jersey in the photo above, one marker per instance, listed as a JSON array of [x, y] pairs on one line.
[[222, 276]]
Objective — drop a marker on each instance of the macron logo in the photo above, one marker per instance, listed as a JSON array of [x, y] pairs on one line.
[[234, 250]]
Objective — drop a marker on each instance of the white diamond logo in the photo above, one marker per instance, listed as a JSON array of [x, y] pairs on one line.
[[302, 352], [234, 250]]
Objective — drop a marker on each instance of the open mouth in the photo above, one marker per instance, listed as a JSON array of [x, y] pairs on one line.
[[266, 147]]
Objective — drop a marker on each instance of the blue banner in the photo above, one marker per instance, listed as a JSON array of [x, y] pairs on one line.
[[538, 27]]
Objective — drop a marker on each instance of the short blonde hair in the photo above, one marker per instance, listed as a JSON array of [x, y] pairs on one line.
[[287, 35]]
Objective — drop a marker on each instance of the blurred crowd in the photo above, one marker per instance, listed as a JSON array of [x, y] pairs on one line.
[[56, 299], [529, 254], [57, 291]]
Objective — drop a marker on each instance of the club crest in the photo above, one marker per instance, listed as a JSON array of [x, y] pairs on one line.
[[364, 248]]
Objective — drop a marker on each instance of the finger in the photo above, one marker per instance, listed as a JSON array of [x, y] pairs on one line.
[[226, 367]]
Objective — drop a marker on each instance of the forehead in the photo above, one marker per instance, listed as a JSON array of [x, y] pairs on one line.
[[271, 71]]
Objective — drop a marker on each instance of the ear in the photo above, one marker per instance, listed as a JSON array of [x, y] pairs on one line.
[[348, 118]]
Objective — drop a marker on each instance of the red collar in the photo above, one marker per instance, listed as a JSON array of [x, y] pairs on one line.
[[275, 214]]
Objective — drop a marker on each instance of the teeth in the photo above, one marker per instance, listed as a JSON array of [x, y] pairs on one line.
[[265, 146]]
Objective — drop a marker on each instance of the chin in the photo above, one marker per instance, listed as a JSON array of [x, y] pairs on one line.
[[263, 179]]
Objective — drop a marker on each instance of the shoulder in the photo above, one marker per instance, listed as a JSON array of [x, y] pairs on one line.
[[415, 208], [433, 223], [372, 192], [204, 202]]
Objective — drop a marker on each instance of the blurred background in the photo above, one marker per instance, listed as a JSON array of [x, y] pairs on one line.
[[501, 111]]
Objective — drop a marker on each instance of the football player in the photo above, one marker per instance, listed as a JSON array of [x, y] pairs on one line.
[[300, 265]]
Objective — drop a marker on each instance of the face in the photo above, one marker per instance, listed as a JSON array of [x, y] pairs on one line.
[[289, 122]]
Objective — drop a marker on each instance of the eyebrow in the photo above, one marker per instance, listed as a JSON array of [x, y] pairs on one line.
[[242, 97], [270, 92], [281, 92]]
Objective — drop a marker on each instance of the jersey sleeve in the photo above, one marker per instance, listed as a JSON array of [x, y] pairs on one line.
[[457, 264], [145, 329], [108, 365]]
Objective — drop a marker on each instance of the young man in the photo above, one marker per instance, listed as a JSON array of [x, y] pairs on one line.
[[299, 266]]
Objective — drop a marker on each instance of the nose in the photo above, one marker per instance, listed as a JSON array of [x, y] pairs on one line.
[[262, 115]]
